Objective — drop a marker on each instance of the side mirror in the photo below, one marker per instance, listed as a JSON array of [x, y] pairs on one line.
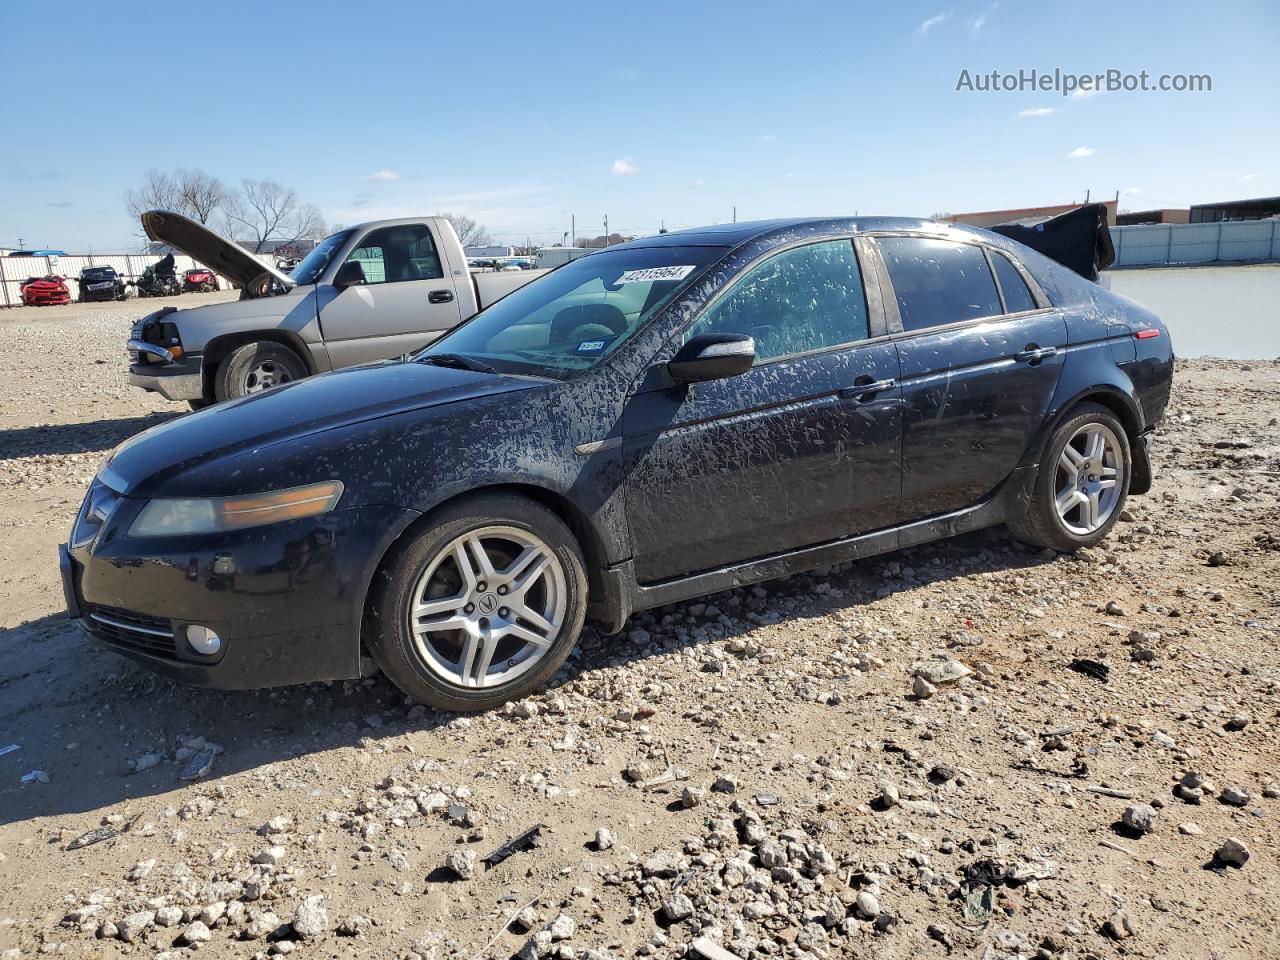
[[712, 356], [350, 274]]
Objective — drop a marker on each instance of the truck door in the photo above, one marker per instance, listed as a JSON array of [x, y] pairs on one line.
[[406, 301]]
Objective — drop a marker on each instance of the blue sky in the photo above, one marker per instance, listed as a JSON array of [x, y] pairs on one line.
[[521, 115]]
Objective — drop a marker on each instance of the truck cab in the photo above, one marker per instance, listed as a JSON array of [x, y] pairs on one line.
[[368, 292]]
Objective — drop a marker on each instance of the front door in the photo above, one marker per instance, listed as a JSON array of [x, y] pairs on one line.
[[801, 449], [980, 364], [405, 302]]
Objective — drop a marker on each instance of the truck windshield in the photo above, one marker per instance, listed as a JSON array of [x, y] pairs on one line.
[[313, 264], [574, 317]]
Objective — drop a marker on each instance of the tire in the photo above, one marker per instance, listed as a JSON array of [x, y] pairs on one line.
[[1083, 522], [200, 404], [508, 527], [257, 366]]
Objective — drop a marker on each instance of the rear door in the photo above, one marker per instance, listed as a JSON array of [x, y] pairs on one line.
[[981, 352], [799, 450], [406, 301]]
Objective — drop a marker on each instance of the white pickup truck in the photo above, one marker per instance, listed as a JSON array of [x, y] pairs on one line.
[[368, 292]]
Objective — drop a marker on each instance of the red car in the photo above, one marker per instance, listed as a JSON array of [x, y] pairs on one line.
[[45, 291], [199, 280]]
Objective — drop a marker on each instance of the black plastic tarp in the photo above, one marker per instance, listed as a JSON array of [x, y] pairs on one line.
[[1079, 239]]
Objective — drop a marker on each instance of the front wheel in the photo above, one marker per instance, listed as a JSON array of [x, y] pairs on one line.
[[254, 367], [1081, 484], [483, 607]]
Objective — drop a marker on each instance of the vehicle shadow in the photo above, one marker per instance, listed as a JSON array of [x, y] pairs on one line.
[[80, 713], [64, 438]]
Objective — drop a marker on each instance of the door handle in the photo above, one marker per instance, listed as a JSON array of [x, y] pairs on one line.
[[440, 296], [865, 389], [1033, 354]]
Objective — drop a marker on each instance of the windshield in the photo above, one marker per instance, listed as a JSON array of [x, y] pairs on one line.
[[313, 264], [574, 317]]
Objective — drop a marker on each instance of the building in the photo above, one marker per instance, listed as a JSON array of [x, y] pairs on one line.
[[490, 251], [1264, 208], [1167, 215], [989, 218]]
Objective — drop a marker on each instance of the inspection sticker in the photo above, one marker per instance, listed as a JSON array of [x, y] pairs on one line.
[[591, 346], [655, 274]]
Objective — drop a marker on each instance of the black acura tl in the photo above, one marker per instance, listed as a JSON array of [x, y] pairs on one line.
[[663, 419]]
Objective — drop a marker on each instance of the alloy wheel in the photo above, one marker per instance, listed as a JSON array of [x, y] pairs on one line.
[[1088, 479], [488, 607]]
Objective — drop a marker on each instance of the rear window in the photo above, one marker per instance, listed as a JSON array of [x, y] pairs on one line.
[[939, 281], [1016, 295], [575, 316]]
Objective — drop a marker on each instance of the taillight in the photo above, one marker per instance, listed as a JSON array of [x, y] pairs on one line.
[[1146, 334]]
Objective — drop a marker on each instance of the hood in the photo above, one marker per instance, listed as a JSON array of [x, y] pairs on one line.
[[1079, 239], [150, 463], [204, 246]]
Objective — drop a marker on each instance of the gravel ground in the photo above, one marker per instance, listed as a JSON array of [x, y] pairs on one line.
[[893, 759]]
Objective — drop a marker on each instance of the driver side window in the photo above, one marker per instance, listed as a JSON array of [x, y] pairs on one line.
[[800, 300], [396, 254]]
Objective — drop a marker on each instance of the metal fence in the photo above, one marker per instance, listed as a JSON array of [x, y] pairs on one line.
[[1168, 244], [14, 271]]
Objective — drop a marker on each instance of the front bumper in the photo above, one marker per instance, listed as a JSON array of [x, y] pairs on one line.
[[286, 599], [181, 379]]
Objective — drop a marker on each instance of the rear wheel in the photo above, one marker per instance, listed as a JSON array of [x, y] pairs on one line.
[[483, 607], [254, 367], [1081, 484]]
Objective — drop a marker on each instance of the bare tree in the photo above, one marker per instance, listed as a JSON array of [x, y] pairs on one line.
[[159, 191], [265, 213], [190, 192], [200, 194], [469, 232]]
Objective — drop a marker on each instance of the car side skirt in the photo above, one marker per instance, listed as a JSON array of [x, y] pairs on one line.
[[626, 596]]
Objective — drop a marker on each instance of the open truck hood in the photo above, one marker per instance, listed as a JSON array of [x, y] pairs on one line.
[[204, 246], [1079, 239]]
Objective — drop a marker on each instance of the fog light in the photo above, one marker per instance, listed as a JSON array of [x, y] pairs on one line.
[[203, 640]]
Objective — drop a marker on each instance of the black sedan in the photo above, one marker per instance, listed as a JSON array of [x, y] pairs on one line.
[[100, 283], [660, 420]]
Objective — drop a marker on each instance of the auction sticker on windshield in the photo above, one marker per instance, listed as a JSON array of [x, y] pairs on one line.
[[655, 274]]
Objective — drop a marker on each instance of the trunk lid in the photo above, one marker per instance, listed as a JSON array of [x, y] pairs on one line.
[[204, 246]]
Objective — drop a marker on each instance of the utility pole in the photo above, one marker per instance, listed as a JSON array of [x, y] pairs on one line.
[[735, 213], [573, 230], [20, 242], [606, 229], [1086, 195]]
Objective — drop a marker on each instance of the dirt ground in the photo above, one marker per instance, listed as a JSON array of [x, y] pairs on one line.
[[764, 777]]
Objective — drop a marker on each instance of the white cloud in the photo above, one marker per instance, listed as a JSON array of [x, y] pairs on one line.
[[1247, 177], [978, 22], [382, 176], [927, 25], [1081, 152], [624, 167], [1082, 94], [1037, 111]]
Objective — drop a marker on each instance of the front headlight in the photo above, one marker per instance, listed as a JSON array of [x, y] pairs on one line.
[[170, 518]]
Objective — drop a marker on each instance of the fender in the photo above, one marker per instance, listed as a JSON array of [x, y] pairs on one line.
[[1114, 390]]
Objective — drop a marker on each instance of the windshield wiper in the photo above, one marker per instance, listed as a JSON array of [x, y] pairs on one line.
[[457, 361]]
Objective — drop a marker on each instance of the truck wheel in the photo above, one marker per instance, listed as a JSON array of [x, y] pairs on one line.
[[254, 367], [1081, 484], [483, 607]]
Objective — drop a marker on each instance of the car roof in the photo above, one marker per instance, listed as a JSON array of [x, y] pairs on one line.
[[736, 234]]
